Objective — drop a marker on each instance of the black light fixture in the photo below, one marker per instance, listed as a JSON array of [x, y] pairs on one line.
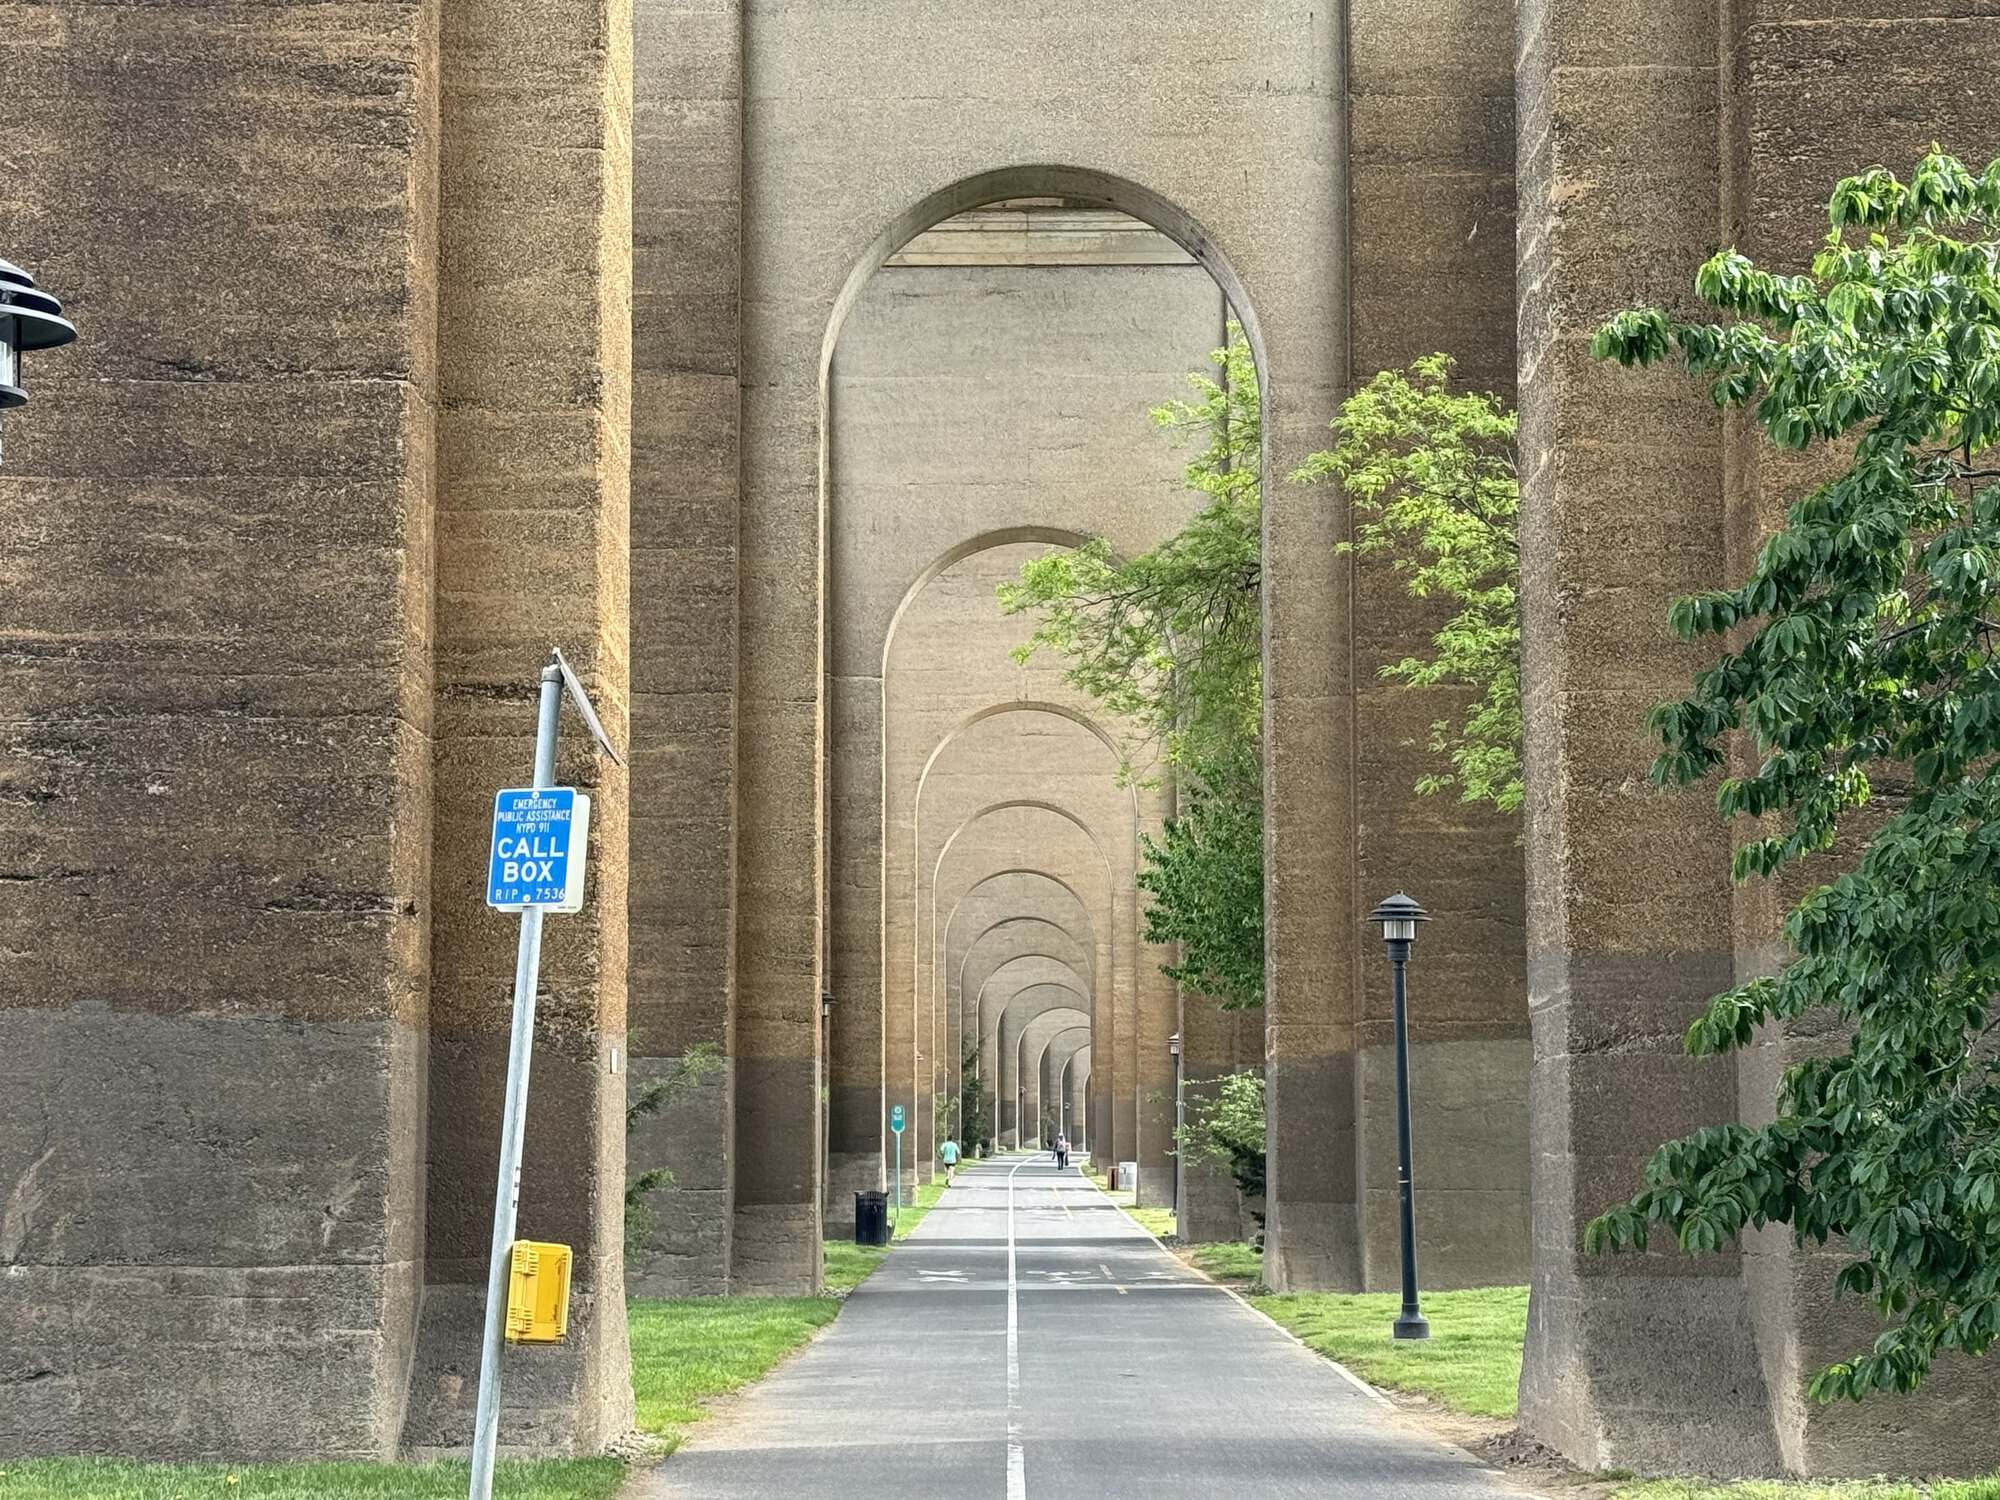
[[30, 319], [826, 1000], [1398, 918]]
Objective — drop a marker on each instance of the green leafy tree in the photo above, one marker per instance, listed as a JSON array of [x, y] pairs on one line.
[[972, 1099], [1860, 652], [1204, 877], [1227, 1126], [1171, 641], [1429, 476], [696, 1064]]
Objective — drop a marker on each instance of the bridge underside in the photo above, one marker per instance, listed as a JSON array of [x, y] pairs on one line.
[[743, 351]]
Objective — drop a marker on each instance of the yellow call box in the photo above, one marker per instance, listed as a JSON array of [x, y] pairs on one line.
[[538, 1293]]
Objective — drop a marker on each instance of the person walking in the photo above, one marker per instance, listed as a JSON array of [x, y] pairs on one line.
[[1062, 1152], [948, 1154]]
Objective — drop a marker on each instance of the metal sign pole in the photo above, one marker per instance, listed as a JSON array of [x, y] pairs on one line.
[[507, 1190]]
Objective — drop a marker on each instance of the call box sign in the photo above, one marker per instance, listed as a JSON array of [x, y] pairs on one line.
[[539, 838]]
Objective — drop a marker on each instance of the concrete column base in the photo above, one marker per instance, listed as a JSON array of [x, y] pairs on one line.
[[1316, 1247], [558, 1399], [775, 1251], [1156, 1186]]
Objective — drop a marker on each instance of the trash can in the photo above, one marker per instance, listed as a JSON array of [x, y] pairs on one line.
[[871, 1218]]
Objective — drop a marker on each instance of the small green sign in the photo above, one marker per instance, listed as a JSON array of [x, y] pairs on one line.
[[896, 1119]]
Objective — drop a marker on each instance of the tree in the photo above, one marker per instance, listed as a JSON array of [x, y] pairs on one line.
[[1430, 480], [1227, 1127], [699, 1061], [1171, 643], [1205, 878], [1861, 653], [972, 1098]]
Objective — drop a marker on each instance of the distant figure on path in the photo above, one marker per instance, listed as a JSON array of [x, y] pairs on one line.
[[948, 1154], [1062, 1152]]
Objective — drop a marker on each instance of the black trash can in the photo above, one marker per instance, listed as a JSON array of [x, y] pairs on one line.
[[871, 1218]]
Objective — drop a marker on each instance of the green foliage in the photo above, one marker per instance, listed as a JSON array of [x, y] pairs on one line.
[[1228, 1127], [972, 1106], [1230, 1260], [1861, 650], [1171, 641], [120, 1479], [1470, 1363], [1204, 876], [700, 1060], [1429, 476]]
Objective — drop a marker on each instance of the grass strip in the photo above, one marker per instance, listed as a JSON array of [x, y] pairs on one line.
[[1470, 1363], [1757, 1489], [113, 1479], [689, 1349], [1236, 1261]]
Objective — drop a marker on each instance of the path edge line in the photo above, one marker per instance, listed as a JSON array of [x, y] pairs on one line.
[[1379, 1397]]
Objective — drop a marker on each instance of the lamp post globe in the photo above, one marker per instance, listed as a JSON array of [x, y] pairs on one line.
[[30, 319], [1398, 917]]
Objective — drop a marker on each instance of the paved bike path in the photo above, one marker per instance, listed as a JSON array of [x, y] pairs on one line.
[[1029, 1340]]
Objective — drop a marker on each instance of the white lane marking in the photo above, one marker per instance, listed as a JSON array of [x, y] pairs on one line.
[[1017, 1453]]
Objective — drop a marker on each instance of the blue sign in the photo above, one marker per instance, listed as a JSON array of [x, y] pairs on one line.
[[896, 1119], [539, 836]]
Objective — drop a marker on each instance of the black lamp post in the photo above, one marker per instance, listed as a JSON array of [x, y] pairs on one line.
[[1174, 1051], [1398, 917], [29, 319]]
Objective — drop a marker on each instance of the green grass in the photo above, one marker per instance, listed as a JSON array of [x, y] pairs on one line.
[[1231, 1260], [107, 1479], [849, 1264], [1697, 1489], [1471, 1362], [692, 1348], [917, 1208], [1158, 1222]]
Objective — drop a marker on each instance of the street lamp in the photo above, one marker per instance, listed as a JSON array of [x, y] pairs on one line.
[[29, 319], [1398, 918], [1174, 1051]]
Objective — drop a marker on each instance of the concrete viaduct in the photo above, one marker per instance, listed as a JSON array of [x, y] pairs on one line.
[[743, 347]]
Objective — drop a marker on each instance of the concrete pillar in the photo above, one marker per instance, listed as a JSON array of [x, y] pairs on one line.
[[1300, 332], [535, 381], [1125, 1022], [857, 1104], [1784, 147], [217, 916], [1646, 1361], [1158, 1018], [1433, 269], [686, 427], [1209, 1210]]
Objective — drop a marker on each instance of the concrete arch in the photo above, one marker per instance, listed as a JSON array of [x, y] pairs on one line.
[[1082, 184], [1002, 839], [987, 541], [1035, 1017], [1033, 804], [1019, 706], [1051, 1061], [1076, 1089]]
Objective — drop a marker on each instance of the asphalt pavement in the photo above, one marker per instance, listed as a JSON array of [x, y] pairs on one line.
[[1029, 1340]]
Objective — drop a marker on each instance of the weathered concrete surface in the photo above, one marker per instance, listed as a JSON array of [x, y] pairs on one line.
[[686, 212], [534, 450], [217, 568]]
